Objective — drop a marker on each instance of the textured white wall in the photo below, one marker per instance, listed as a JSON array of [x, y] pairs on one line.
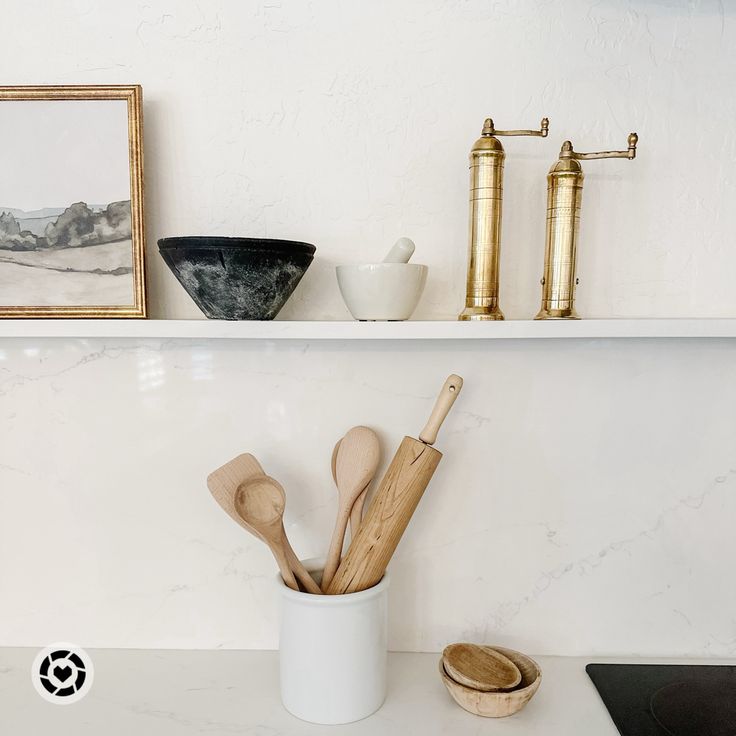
[[349, 124], [586, 500]]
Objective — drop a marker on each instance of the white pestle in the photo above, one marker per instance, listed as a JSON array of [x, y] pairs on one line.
[[401, 252]]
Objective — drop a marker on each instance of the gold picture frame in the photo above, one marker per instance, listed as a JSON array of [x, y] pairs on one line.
[[57, 243]]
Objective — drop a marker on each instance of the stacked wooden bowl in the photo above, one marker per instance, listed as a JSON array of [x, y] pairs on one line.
[[489, 681]]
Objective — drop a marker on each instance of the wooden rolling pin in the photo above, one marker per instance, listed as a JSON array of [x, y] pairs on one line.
[[394, 502]]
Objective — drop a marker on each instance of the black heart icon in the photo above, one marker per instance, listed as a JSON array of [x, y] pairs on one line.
[[62, 674]]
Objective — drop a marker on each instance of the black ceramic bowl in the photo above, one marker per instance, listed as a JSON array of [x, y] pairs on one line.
[[237, 278]]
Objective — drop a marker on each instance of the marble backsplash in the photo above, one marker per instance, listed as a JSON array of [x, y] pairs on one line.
[[585, 502]]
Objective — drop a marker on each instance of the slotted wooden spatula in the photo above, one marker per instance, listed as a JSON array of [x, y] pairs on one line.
[[223, 484]]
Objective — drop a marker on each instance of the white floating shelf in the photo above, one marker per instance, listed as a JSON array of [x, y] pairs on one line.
[[435, 330]]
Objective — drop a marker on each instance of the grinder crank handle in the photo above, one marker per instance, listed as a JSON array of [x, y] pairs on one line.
[[442, 406]]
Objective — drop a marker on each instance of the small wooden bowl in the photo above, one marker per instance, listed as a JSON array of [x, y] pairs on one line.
[[497, 704]]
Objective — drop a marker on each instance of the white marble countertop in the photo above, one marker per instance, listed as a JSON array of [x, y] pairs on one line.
[[173, 693], [227, 692]]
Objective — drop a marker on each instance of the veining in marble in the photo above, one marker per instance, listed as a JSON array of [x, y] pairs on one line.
[[585, 510]]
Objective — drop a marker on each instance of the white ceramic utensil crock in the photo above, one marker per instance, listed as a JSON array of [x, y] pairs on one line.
[[382, 291], [332, 652]]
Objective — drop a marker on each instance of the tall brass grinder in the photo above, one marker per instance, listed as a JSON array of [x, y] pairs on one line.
[[564, 196], [486, 196]]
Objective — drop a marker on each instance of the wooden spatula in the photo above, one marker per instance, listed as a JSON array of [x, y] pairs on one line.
[[223, 484], [394, 502]]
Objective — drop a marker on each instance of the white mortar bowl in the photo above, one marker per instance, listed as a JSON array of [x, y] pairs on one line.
[[382, 291]]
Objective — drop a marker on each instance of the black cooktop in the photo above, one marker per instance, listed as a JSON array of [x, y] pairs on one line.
[[668, 699]]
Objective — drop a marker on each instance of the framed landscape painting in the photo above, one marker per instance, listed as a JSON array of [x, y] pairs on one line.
[[71, 202]]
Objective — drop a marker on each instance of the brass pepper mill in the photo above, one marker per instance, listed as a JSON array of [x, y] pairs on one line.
[[486, 195], [564, 195]]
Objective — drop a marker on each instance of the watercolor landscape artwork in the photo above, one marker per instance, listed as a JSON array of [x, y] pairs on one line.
[[71, 237]]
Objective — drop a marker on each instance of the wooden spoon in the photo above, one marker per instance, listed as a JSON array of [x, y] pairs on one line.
[[356, 461], [260, 502], [223, 484], [356, 513], [480, 668]]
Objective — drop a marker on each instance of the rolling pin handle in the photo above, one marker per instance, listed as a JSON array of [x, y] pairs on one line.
[[444, 403]]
